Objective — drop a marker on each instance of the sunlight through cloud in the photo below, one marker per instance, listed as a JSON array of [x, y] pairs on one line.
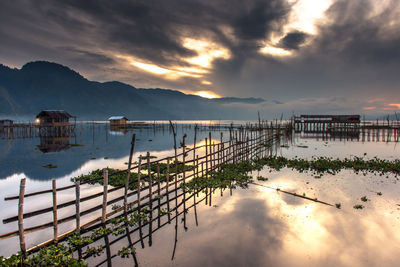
[[207, 51], [304, 16]]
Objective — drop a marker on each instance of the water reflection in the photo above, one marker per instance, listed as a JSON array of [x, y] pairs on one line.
[[264, 227], [90, 142], [53, 144], [261, 226]]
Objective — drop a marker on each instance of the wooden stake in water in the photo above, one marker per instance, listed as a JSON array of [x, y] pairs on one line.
[[55, 225], [184, 180], [128, 175], [138, 199], [159, 194], [150, 200], [21, 215], [77, 205], [169, 215], [105, 192]]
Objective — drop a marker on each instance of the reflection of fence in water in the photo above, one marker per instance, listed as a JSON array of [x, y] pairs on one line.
[[198, 161]]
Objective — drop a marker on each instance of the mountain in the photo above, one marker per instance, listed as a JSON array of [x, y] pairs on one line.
[[43, 85]]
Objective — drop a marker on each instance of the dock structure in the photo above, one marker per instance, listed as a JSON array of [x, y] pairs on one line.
[[325, 123], [55, 123], [50, 123], [4, 123]]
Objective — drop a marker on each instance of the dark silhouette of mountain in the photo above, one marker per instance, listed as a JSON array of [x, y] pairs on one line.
[[44, 85]]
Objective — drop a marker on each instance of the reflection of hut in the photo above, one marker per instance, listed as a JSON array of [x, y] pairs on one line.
[[117, 131], [4, 123], [53, 144], [117, 121], [53, 118]]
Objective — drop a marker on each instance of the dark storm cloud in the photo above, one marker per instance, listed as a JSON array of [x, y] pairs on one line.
[[147, 29], [87, 56], [355, 53], [260, 20], [356, 35], [293, 40]]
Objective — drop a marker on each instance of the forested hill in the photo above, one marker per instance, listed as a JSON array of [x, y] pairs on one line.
[[44, 85]]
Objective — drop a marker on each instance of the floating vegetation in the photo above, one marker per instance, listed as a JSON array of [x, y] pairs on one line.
[[333, 166], [364, 199], [145, 157], [124, 252], [358, 207], [260, 178], [50, 166], [338, 205], [163, 167], [105, 157], [92, 158], [229, 176], [62, 254], [379, 193], [115, 178], [53, 255]]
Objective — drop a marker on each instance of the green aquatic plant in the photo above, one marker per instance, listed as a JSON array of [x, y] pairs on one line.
[[125, 251], [229, 176], [358, 207], [115, 178], [52, 255], [50, 166], [332, 166], [62, 254], [260, 178], [364, 199], [338, 205]]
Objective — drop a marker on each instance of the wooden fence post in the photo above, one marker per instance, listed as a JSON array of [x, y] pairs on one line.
[[150, 200], [169, 215], [128, 175], [21, 216], [55, 222], [77, 205], [105, 192]]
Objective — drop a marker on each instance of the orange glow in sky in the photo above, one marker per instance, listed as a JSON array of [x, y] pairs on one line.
[[207, 94], [395, 105], [203, 93], [369, 108]]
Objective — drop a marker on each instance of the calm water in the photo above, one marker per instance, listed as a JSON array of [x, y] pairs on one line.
[[258, 226]]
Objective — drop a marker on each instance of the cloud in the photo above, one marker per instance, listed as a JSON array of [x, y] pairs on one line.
[[293, 40]]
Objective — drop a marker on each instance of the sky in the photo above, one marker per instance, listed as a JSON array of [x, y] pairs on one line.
[[304, 56]]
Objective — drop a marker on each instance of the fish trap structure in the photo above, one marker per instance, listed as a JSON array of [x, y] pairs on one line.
[[151, 185]]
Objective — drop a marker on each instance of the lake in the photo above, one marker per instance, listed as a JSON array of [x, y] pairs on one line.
[[256, 226]]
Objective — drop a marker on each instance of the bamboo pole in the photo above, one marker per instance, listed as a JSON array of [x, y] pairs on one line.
[[184, 180], [167, 190], [138, 200], [158, 195], [105, 192], [128, 175], [206, 170], [55, 220], [77, 205], [150, 199], [20, 216]]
